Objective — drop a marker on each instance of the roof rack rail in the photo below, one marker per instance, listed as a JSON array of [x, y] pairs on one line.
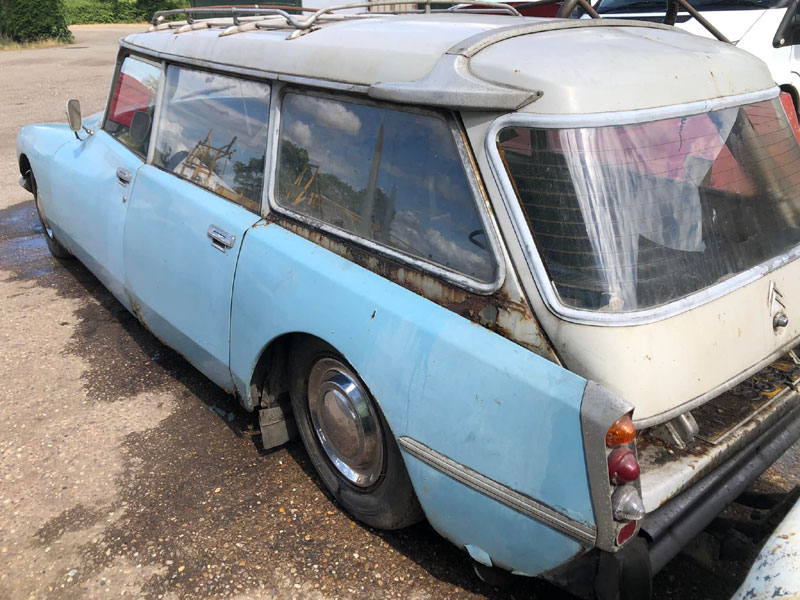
[[236, 12]]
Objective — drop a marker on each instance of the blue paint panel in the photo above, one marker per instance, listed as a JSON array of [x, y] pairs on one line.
[[90, 204], [462, 390], [465, 517], [181, 283], [40, 143]]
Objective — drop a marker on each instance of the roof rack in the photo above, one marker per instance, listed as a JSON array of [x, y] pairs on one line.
[[463, 6], [237, 12]]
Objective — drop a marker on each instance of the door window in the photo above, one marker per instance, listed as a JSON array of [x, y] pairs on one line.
[[393, 177], [213, 132], [133, 103]]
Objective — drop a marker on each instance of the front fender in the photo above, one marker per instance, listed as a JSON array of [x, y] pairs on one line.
[[39, 144]]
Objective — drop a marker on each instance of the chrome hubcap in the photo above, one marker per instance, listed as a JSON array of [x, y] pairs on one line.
[[345, 422]]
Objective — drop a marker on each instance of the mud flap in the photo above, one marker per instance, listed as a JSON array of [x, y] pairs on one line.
[[277, 426], [625, 575]]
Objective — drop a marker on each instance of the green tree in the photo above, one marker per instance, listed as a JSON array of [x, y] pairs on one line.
[[33, 20], [147, 8]]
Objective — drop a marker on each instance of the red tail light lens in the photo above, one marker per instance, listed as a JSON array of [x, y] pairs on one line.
[[625, 533], [791, 114], [623, 466], [621, 432]]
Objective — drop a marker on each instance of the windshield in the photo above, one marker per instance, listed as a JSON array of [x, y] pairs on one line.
[[635, 216], [660, 6]]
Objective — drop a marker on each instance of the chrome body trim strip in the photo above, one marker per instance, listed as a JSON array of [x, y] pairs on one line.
[[453, 277], [534, 259], [496, 491]]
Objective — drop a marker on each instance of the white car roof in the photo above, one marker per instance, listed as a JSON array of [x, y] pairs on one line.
[[478, 61]]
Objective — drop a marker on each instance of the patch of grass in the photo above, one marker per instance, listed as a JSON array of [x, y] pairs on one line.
[[7, 44]]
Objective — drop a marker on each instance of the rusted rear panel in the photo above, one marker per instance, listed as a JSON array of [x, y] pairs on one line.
[[505, 312], [726, 423]]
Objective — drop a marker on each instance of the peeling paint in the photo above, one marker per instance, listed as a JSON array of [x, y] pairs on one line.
[[503, 312], [726, 424]]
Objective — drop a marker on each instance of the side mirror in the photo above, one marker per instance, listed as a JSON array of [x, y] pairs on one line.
[[784, 36], [140, 126], [74, 115]]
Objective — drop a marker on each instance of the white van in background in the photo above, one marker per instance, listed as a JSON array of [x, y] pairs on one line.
[[770, 29]]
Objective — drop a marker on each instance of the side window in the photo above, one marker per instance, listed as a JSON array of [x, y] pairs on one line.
[[133, 101], [213, 132], [389, 176]]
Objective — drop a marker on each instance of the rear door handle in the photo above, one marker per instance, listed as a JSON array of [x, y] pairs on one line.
[[124, 177], [221, 240]]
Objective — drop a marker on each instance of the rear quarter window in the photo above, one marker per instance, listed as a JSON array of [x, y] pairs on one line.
[[393, 177]]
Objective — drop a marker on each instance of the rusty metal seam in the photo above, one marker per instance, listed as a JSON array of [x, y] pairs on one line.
[[497, 491]]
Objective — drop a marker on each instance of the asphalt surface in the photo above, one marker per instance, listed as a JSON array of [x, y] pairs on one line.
[[126, 473]]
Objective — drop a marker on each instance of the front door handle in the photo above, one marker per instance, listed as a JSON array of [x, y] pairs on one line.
[[124, 177], [221, 240]]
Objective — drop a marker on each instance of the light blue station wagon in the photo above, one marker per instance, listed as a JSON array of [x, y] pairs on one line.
[[484, 275]]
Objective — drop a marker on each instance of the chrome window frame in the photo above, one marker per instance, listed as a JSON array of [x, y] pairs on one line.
[[125, 52], [534, 259], [274, 79], [157, 122], [478, 195]]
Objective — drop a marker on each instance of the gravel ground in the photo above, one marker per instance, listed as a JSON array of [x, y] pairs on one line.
[[125, 473]]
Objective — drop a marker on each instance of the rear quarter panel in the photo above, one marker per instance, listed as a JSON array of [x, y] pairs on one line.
[[462, 390]]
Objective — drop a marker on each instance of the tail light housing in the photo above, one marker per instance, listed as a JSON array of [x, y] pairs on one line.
[[623, 473]]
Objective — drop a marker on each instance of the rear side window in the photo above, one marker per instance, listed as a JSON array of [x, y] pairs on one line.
[[213, 132], [392, 177], [133, 99]]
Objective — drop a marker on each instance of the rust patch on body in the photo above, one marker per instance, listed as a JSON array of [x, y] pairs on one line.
[[499, 312]]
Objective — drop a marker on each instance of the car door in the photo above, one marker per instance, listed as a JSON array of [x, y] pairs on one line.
[[94, 177], [191, 208]]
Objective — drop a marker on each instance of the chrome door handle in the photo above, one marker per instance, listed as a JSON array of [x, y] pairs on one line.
[[221, 240], [124, 177]]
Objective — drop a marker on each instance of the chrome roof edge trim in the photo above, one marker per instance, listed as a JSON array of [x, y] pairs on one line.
[[505, 495], [535, 262], [470, 46], [356, 88], [720, 389], [643, 115], [458, 279]]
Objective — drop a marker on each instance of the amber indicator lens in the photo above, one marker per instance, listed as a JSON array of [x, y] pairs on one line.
[[621, 432]]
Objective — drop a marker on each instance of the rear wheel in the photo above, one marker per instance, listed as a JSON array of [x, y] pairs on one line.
[[55, 247], [348, 439]]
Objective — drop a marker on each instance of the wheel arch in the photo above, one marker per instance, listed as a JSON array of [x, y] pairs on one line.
[[25, 170], [24, 164], [270, 379]]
